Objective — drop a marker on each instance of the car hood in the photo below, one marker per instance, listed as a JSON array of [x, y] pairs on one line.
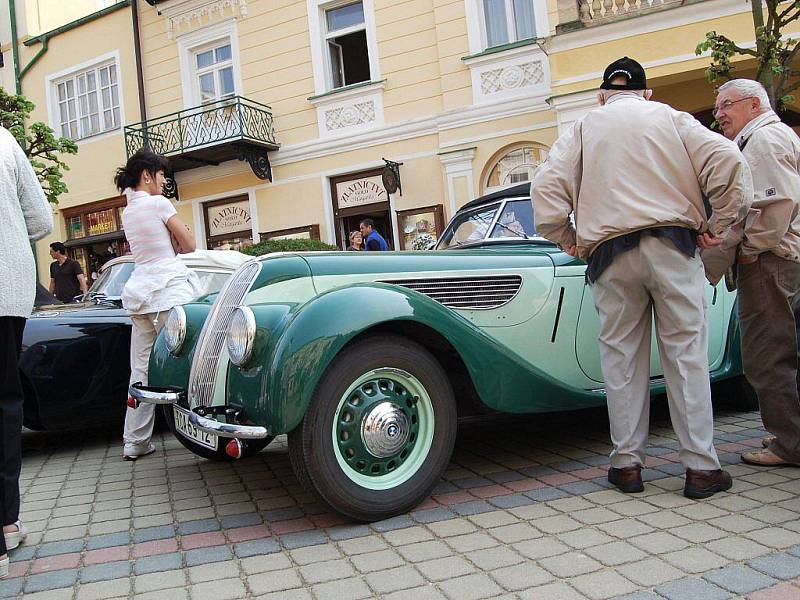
[[85, 310]]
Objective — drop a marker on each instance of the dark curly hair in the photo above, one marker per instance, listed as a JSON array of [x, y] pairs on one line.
[[144, 160]]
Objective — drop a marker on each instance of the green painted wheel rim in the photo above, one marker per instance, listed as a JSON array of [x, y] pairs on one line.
[[366, 394]]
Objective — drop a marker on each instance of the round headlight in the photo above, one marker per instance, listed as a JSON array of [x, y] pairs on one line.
[[241, 334], [175, 329]]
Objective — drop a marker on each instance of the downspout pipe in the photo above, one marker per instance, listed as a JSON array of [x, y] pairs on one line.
[[12, 8], [137, 49]]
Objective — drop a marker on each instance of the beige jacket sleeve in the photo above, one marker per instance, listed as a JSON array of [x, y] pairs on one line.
[[555, 188], [777, 185], [721, 171]]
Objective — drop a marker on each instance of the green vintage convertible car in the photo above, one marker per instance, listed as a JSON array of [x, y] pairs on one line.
[[367, 360]]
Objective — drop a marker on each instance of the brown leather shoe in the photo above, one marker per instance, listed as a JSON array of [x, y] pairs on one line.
[[704, 484], [765, 458], [627, 479], [766, 441]]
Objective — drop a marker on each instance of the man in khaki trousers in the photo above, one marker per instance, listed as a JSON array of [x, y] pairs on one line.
[[769, 265], [633, 173]]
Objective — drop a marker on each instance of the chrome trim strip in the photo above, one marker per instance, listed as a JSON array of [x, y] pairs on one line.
[[227, 430], [211, 343], [466, 293], [148, 396]]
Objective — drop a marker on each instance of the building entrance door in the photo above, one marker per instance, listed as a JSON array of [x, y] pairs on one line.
[[357, 197]]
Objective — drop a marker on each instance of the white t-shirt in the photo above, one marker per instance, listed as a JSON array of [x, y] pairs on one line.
[[145, 223]]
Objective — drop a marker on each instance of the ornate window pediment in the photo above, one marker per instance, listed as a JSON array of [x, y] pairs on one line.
[[184, 15]]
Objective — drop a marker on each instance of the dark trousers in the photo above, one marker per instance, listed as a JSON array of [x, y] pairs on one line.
[[11, 397], [769, 294]]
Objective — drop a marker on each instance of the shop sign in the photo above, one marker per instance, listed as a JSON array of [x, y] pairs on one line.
[[358, 192], [228, 218], [101, 222]]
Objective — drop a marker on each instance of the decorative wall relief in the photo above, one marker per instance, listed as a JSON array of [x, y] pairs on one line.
[[195, 13], [512, 77], [343, 117]]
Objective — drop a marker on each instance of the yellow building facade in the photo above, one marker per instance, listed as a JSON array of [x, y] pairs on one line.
[[279, 115]]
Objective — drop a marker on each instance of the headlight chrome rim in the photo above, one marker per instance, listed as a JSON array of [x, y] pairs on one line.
[[175, 330], [240, 350]]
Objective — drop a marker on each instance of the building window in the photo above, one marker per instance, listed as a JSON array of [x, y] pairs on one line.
[[214, 72], [507, 21], [88, 102], [515, 166], [347, 48]]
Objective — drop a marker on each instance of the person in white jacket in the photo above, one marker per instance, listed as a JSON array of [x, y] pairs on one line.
[[159, 281], [633, 172], [26, 217]]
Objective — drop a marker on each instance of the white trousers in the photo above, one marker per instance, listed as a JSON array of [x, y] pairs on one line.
[[656, 278], [139, 421]]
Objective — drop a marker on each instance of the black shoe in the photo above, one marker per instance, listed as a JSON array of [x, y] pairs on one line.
[[627, 479], [704, 484]]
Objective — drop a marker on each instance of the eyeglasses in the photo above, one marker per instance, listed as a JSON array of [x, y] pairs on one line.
[[726, 105]]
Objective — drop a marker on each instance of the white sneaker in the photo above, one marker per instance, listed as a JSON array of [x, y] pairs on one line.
[[134, 451], [15, 538]]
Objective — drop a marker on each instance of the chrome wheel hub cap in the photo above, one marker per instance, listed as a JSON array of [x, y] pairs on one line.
[[385, 430]]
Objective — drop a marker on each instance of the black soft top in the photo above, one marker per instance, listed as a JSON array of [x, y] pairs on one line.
[[523, 189]]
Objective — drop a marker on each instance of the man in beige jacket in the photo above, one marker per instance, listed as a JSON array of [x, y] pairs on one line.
[[633, 173], [769, 264]]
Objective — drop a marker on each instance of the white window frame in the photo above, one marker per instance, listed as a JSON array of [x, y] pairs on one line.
[[190, 44], [215, 67], [51, 92], [476, 23], [318, 28]]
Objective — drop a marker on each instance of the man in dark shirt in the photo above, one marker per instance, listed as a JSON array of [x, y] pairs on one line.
[[66, 276], [372, 239]]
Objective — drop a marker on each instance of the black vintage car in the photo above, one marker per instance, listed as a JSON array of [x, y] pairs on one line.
[[75, 361]]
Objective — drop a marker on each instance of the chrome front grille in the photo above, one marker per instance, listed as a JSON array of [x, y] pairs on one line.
[[205, 365], [492, 291]]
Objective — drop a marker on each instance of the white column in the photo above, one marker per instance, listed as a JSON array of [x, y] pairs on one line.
[[457, 164], [571, 107]]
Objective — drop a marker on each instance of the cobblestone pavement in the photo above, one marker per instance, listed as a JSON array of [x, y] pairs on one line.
[[524, 511]]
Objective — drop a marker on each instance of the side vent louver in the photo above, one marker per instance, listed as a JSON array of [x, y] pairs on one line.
[[466, 292]]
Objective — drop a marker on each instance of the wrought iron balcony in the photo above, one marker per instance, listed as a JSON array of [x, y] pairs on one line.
[[598, 12], [233, 128]]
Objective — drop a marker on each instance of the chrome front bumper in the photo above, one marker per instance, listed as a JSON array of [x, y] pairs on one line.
[[154, 395], [228, 430]]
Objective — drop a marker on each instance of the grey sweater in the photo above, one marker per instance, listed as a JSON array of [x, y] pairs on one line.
[[25, 215]]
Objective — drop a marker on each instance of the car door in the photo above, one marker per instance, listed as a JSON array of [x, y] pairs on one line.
[[587, 349]]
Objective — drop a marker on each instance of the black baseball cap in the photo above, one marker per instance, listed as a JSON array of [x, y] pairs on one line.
[[630, 69]]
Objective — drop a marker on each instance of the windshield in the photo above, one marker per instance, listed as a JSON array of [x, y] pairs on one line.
[[509, 219], [516, 220], [469, 227], [112, 280]]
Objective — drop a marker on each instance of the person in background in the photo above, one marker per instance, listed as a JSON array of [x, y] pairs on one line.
[[66, 275], [372, 239], [159, 281], [768, 265], [356, 241], [26, 217], [634, 173]]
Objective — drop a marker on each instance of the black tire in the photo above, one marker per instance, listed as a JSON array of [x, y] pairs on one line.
[[252, 446], [736, 394], [313, 453]]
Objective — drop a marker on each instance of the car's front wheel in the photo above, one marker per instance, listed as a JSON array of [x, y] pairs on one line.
[[252, 446], [380, 429]]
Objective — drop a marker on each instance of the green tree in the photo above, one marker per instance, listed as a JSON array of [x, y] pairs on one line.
[[774, 56], [43, 148]]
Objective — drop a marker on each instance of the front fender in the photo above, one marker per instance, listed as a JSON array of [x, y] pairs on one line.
[[278, 393]]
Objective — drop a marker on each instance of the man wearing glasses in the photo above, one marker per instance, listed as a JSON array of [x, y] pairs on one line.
[[769, 264]]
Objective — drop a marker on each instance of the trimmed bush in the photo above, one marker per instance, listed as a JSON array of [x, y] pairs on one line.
[[290, 245]]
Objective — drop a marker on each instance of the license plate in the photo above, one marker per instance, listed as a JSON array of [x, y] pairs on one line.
[[186, 429]]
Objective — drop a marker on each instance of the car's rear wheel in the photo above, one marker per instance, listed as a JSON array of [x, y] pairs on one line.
[[251, 446], [379, 431]]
